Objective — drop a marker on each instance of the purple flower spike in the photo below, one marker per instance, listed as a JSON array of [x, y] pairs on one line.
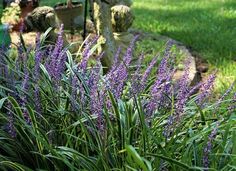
[[129, 51], [116, 62], [38, 57], [37, 102], [60, 66], [118, 75], [59, 44], [86, 55], [162, 85], [55, 57], [10, 126], [220, 100], [147, 72], [25, 83], [74, 85], [96, 102], [206, 89], [208, 148], [26, 116], [169, 45], [183, 90], [136, 78], [25, 88]]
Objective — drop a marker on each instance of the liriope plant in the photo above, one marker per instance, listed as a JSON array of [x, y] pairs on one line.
[[57, 114]]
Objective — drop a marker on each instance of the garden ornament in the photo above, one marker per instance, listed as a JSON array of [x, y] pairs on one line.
[[122, 20], [40, 19]]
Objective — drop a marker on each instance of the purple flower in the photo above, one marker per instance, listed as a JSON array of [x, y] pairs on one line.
[[118, 75], [23, 98], [115, 63], [56, 62], [183, 90], [48, 51], [60, 65], [86, 55], [169, 45], [139, 80], [38, 57], [25, 83], [162, 85], [96, 100], [20, 57], [194, 89], [168, 129], [208, 148], [148, 71], [58, 47], [129, 51], [206, 89], [136, 78], [78, 92], [74, 84], [10, 126], [220, 100], [37, 102], [159, 94]]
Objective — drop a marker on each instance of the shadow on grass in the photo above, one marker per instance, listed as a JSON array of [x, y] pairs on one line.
[[210, 31]]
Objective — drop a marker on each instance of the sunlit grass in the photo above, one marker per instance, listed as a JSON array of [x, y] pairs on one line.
[[207, 27]]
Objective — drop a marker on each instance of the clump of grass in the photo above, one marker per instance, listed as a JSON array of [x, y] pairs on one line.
[[59, 115]]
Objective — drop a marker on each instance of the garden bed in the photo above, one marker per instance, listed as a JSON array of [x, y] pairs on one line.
[[155, 44]]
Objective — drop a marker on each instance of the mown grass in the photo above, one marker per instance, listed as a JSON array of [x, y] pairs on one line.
[[207, 27]]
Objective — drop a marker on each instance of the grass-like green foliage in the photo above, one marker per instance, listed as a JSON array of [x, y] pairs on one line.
[[207, 27], [67, 133]]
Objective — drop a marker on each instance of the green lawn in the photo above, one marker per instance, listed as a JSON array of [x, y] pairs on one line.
[[207, 27]]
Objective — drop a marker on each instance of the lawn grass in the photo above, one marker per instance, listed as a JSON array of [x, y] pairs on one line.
[[207, 27]]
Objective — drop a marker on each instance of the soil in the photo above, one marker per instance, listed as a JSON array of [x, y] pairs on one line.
[[30, 37]]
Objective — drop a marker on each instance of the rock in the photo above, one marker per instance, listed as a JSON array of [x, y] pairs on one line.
[[193, 73]]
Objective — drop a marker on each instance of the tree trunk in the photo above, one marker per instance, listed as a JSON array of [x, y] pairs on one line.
[[102, 19]]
